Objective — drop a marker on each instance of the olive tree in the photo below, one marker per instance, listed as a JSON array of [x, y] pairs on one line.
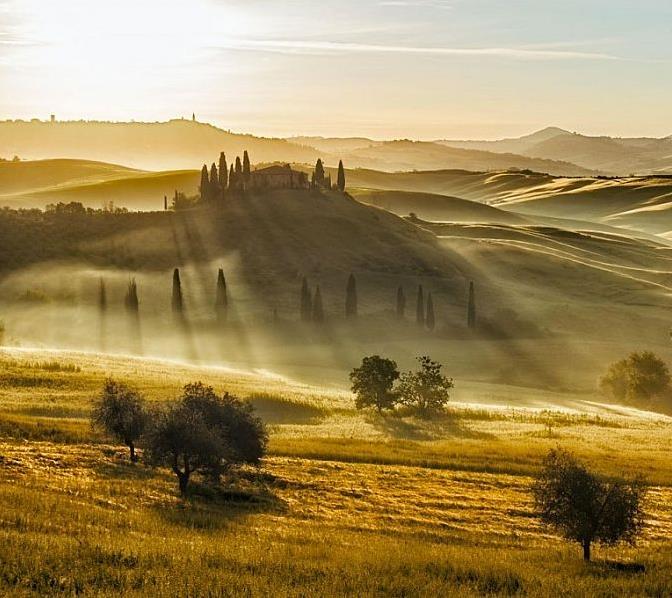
[[120, 411], [373, 383], [427, 389], [584, 508], [205, 433], [639, 377]]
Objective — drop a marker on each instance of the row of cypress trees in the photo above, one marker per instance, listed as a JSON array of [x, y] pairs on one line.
[[312, 310], [311, 307], [132, 303], [220, 178]]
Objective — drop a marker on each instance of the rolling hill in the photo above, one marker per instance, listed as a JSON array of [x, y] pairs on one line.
[[429, 206], [609, 155]]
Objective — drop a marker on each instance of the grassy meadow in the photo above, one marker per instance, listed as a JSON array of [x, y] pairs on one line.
[[346, 503]]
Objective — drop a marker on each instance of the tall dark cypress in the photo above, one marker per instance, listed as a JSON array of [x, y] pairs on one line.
[[318, 309], [430, 322], [223, 172], [420, 307], [239, 169], [102, 296], [215, 189], [401, 303], [471, 307], [176, 301], [221, 300], [319, 173], [246, 167], [351, 298], [340, 181], [131, 301], [306, 302], [232, 178], [204, 187], [165, 203]]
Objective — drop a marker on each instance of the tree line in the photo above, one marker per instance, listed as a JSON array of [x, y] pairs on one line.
[[311, 305]]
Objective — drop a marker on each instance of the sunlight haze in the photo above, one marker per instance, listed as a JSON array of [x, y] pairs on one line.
[[382, 68]]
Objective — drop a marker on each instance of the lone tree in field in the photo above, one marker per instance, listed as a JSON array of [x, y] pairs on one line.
[[471, 308], [401, 303], [204, 187], [206, 433], [639, 378], [318, 308], [430, 322], [246, 167], [427, 389], [221, 299], [420, 307], [120, 412], [340, 181], [584, 508], [306, 302], [373, 383], [223, 172], [351, 298], [176, 300]]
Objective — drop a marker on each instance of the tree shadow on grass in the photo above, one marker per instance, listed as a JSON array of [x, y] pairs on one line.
[[610, 568], [436, 427], [211, 506]]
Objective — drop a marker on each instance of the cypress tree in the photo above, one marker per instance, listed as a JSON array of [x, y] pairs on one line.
[[318, 310], [232, 178], [223, 172], [215, 189], [351, 298], [340, 181], [246, 167], [420, 307], [239, 169], [165, 203], [319, 172], [306, 302], [401, 303], [204, 187], [471, 307], [430, 322], [131, 300], [176, 302], [221, 300]]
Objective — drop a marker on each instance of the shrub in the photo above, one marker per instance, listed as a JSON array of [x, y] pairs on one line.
[[585, 509], [373, 383], [120, 411], [427, 389], [640, 377], [205, 433]]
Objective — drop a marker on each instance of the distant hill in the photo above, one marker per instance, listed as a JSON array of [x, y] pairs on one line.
[[608, 155], [172, 145], [184, 144], [90, 184]]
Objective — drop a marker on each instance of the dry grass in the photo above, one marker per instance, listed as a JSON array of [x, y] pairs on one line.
[[346, 504]]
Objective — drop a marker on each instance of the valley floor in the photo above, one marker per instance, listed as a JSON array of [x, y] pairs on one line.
[[345, 504]]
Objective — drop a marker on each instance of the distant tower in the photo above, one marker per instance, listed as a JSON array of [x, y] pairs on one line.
[[53, 119], [193, 116]]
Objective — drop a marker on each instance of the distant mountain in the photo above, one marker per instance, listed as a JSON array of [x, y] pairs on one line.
[[608, 155]]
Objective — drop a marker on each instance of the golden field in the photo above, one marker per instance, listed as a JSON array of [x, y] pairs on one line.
[[345, 504]]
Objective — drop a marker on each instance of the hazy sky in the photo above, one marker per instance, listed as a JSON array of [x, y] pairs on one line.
[[383, 68]]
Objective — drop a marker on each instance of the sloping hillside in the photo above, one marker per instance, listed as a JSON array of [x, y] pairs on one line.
[[133, 190], [41, 175], [429, 206]]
